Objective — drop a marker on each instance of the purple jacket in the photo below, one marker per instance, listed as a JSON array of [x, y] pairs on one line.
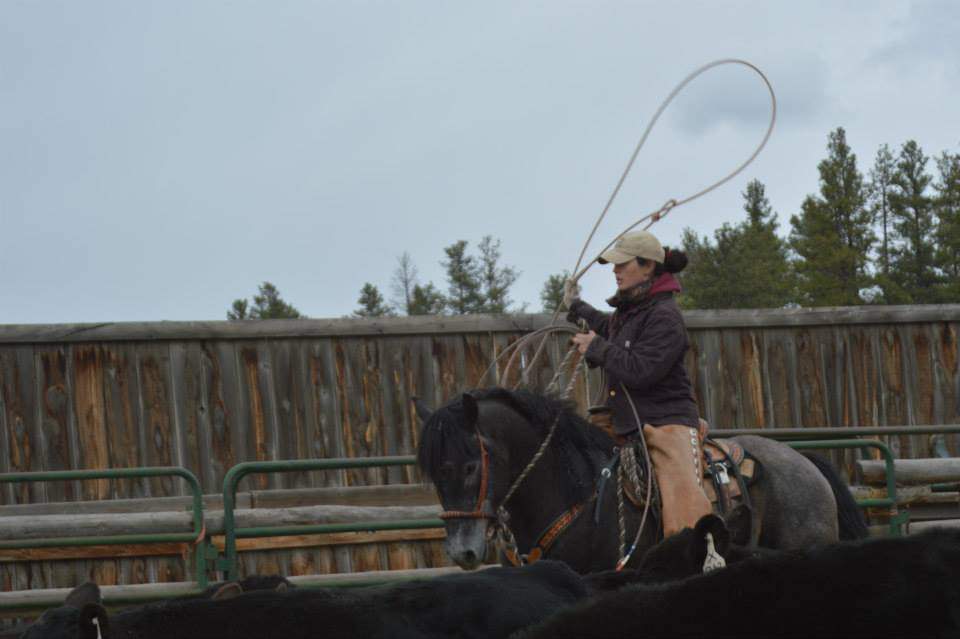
[[640, 347]]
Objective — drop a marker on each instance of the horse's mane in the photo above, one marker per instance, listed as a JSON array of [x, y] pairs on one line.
[[443, 436]]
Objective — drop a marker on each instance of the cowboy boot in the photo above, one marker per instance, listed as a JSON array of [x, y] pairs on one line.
[[676, 455]]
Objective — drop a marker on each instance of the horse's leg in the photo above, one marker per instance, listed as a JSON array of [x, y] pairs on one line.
[[794, 506]]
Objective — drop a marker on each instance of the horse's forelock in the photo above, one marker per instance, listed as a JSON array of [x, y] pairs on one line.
[[444, 438]]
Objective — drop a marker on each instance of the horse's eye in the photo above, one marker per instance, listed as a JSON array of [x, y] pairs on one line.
[[470, 468]]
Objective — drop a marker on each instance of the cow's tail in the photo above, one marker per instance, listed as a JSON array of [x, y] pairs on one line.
[[850, 519]]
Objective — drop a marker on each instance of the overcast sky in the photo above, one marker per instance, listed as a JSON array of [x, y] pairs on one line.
[[160, 159]]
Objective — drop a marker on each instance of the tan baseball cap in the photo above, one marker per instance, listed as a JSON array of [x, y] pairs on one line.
[[631, 246]]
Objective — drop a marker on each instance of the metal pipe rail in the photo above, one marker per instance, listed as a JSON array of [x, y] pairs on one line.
[[228, 563], [196, 537], [897, 519], [838, 433]]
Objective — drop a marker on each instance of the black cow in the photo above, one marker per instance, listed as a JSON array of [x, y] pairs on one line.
[[490, 603], [682, 555], [907, 587]]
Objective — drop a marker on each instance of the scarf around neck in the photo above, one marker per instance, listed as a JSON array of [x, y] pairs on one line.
[[666, 282]]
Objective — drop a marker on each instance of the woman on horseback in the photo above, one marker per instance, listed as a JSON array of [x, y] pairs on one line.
[[640, 347]]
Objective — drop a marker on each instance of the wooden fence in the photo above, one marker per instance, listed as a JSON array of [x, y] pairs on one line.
[[208, 395]]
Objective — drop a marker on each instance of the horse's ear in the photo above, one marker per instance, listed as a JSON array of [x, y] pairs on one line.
[[470, 411], [739, 522], [715, 526], [83, 594], [423, 412]]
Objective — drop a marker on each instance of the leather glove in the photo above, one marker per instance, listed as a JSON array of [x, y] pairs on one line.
[[571, 292]]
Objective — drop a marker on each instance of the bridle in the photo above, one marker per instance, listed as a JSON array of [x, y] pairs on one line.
[[500, 529], [478, 512]]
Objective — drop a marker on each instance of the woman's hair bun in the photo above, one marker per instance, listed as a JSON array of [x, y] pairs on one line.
[[674, 260]]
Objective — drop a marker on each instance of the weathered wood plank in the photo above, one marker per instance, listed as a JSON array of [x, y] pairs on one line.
[[151, 331], [158, 439], [56, 415], [88, 393], [20, 419], [228, 415], [120, 390], [93, 552]]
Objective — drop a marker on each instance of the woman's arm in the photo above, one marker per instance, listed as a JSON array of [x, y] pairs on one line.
[[598, 321], [647, 361]]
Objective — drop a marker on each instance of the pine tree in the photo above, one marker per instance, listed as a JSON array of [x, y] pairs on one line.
[[464, 279], [746, 267], [495, 279], [267, 304], [426, 300], [832, 235], [372, 303], [766, 278], [702, 278], [912, 265], [551, 295], [403, 281], [879, 191], [947, 203]]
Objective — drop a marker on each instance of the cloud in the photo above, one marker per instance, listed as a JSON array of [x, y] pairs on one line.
[[926, 36], [735, 96]]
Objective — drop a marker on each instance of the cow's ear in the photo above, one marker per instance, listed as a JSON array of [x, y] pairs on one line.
[[423, 412], [228, 591], [470, 411], [740, 524], [715, 526], [93, 622], [86, 593]]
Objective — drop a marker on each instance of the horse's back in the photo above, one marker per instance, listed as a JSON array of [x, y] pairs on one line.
[[794, 504]]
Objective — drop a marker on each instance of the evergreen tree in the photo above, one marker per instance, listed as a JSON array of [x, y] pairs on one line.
[[832, 235], [495, 279], [746, 267], [403, 281], [372, 303], [464, 280], [702, 279], [239, 310], [879, 191], [912, 265], [551, 295], [947, 203], [267, 304], [764, 276], [426, 300]]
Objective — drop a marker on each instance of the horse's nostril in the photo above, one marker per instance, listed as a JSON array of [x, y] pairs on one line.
[[470, 556]]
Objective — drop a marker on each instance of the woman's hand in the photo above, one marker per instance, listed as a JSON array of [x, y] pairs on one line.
[[582, 340], [571, 293]]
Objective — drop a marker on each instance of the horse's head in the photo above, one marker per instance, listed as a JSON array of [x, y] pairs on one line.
[[479, 448], [466, 467]]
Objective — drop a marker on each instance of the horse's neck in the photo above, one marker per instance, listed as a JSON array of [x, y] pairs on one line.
[[540, 498]]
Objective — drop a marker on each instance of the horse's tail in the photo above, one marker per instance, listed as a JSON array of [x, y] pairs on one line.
[[850, 519]]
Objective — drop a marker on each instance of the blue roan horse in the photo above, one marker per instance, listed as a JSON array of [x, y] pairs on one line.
[[475, 447]]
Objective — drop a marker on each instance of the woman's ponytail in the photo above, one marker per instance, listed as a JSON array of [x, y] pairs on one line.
[[674, 261]]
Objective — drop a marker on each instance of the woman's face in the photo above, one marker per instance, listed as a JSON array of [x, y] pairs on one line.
[[630, 274]]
